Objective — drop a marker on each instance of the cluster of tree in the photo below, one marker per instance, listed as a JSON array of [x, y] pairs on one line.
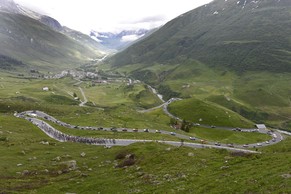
[[146, 76], [8, 63], [184, 126], [167, 92]]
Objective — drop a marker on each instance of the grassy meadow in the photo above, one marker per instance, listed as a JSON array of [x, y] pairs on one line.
[[229, 62], [202, 112], [27, 165], [259, 96], [31, 162], [224, 136]]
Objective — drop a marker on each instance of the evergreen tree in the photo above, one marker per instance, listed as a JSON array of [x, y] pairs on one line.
[[185, 126]]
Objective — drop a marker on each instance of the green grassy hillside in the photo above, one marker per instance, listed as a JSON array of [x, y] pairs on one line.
[[31, 162], [202, 112], [28, 165], [227, 137], [226, 34], [109, 105], [233, 53], [262, 97], [36, 44]]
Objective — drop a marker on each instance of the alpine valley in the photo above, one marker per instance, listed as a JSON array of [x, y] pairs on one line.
[[41, 42], [201, 104]]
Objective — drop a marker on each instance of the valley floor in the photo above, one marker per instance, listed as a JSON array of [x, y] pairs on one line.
[[32, 162]]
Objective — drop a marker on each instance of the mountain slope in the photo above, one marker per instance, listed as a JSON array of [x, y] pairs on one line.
[[41, 41], [239, 35], [236, 54]]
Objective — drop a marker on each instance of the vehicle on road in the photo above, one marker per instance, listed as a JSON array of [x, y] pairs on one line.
[[246, 145], [146, 130], [217, 144], [113, 129], [238, 129], [259, 144], [230, 145], [192, 138], [124, 129], [135, 130], [158, 131], [173, 133]]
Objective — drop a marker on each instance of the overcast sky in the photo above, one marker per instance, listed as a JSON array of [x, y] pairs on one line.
[[112, 15]]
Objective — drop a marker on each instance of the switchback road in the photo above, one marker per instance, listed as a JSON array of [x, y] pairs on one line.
[[33, 116]]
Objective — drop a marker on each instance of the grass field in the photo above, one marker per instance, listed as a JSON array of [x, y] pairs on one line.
[[224, 136], [27, 165], [204, 112], [259, 96], [114, 94]]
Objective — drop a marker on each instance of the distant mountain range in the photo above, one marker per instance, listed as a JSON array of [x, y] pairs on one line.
[[239, 35], [119, 40], [41, 41]]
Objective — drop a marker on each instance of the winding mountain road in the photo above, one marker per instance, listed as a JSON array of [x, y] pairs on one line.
[[33, 116], [274, 134]]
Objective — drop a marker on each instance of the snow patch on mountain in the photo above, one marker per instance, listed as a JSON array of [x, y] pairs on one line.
[[118, 40]]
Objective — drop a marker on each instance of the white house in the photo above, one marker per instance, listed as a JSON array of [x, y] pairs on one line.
[[261, 126], [45, 89]]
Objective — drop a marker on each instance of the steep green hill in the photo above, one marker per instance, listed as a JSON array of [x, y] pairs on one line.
[[28, 40], [238, 35], [235, 53], [209, 114]]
